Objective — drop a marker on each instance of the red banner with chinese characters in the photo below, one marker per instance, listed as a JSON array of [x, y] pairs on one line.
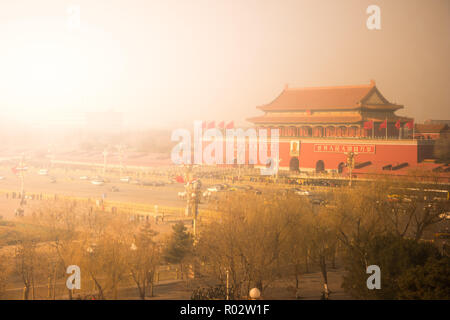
[[342, 148]]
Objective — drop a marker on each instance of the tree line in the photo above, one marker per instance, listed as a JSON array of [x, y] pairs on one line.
[[251, 240]]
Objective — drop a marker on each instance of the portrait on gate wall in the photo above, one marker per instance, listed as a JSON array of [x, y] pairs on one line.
[[295, 148]]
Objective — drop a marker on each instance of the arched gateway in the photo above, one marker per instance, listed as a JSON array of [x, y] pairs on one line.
[[320, 166], [341, 167], [294, 164]]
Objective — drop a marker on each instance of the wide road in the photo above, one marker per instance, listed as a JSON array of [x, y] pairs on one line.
[[70, 185]]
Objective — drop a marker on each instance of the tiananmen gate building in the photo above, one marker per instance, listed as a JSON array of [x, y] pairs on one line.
[[319, 126]]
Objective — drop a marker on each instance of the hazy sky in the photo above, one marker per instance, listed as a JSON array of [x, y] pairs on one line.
[[170, 62]]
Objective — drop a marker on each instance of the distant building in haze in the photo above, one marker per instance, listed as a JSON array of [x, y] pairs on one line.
[[105, 121], [429, 121]]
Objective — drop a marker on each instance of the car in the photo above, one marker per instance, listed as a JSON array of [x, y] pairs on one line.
[[317, 202], [52, 180], [301, 192], [206, 194], [323, 183], [215, 188], [114, 189], [445, 216], [84, 178], [2, 178], [138, 182], [283, 192], [256, 191], [125, 179], [43, 172], [98, 182], [442, 235]]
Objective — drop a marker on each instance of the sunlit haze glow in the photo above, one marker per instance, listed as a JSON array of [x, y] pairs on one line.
[[167, 63]]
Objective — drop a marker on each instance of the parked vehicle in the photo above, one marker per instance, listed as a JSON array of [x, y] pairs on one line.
[[318, 202], [43, 172], [216, 188], [182, 195], [445, 216], [98, 182], [206, 194], [301, 192]]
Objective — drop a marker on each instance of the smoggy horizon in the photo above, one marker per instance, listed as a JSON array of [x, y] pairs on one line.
[[164, 64]]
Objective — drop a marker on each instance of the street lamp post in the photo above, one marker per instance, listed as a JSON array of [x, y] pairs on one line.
[[21, 170], [22, 183], [105, 154], [228, 284], [90, 252], [195, 199], [351, 165], [121, 148], [192, 188]]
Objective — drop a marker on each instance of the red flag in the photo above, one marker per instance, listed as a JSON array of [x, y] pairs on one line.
[[410, 124], [212, 125], [179, 179], [14, 170], [383, 125], [221, 125], [398, 125], [368, 125], [230, 125], [203, 124]]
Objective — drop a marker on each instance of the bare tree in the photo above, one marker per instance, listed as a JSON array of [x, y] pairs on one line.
[[144, 260], [4, 273], [246, 239], [25, 258]]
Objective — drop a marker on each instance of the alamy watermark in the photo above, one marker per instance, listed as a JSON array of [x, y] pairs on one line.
[[374, 281], [73, 17], [74, 280], [374, 20], [208, 147]]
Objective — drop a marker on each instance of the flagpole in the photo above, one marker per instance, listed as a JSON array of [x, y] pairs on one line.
[[413, 125], [373, 129], [386, 128]]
